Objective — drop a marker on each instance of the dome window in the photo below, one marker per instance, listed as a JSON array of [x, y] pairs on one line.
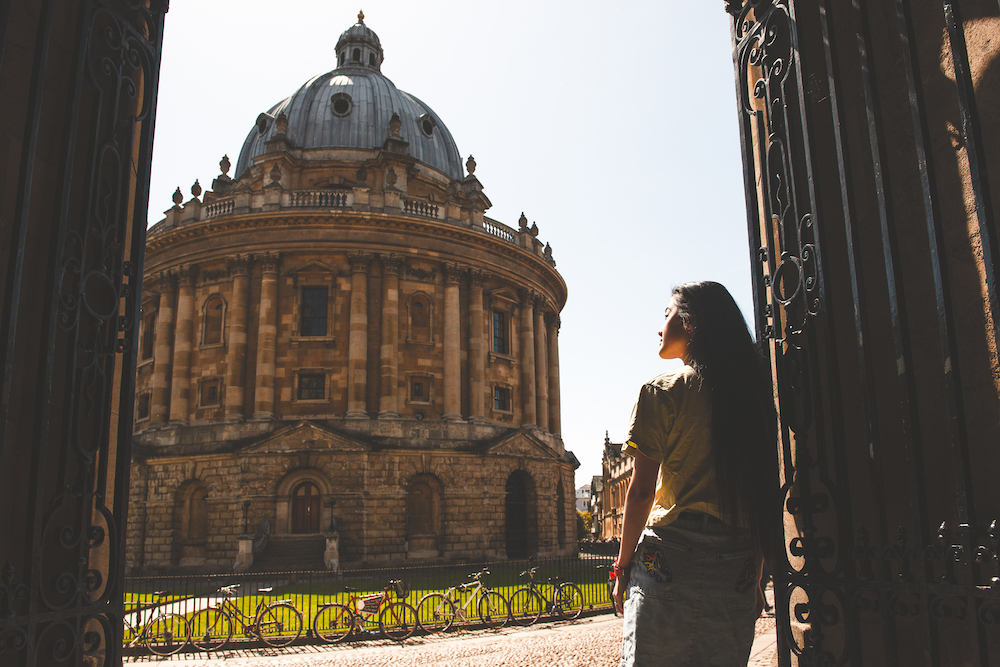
[[427, 124], [371, 59], [342, 104], [356, 55], [343, 57]]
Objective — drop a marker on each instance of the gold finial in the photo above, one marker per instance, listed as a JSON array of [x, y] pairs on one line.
[[361, 16]]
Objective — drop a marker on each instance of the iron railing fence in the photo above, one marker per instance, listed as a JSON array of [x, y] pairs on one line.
[[309, 591]]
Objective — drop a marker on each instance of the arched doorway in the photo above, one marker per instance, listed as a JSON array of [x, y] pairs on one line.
[[305, 508], [423, 517], [518, 515]]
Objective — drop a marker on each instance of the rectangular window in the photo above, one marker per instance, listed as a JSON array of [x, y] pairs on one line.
[[501, 399], [146, 345], [142, 407], [500, 333], [209, 393], [313, 321], [418, 391], [312, 387]]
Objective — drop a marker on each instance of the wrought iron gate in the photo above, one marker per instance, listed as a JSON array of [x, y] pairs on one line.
[[871, 221], [78, 85]]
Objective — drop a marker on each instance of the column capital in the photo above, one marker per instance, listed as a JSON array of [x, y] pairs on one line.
[[239, 265], [187, 274], [553, 320], [166, 280], [269, 262], [527, 296], [359, 261], [477, 278], [391, 264], [453, 272]]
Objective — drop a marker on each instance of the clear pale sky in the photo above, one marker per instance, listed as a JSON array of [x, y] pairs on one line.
[[614, 126]]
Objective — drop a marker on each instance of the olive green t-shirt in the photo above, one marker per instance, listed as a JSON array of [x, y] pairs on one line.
[[671, 423]]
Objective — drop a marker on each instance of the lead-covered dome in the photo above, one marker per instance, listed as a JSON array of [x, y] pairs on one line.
[[351, 106]]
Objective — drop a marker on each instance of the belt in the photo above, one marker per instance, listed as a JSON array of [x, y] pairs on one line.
[[700, 519]]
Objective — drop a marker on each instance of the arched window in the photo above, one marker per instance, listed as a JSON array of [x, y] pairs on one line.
[[356, 55], [423, 517], [343, 57], [213, 317], [420, 318], [191, 523], [519, 514], [305, 508], [371, 59]]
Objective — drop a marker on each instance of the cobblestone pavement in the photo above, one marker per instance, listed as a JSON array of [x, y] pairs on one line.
[[593, 641]]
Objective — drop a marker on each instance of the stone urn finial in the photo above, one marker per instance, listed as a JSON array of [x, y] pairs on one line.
[[178, 197], [470, 165], [522, 222], [390, 177], [395, 124], [275, 174], [534, 229], [225, 165], [196, 188], [548, 251], [281, 123]]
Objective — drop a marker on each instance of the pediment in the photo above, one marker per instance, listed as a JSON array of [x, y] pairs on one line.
[[313, 267], [524, 444], [503, 298], [306, 437]]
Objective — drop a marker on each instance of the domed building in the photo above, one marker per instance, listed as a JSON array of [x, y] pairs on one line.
[[342, 356]]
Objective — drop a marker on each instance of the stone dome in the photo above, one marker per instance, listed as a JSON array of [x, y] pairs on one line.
[[351, 106]]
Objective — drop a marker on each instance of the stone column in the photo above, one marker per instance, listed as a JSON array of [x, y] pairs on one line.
[[527, 360], [159, 403], [357, 345], [555, 420], [477, 347], [452, 351], [541, 365], [236, 364], [389, 379], [267, 336], [180, 379]]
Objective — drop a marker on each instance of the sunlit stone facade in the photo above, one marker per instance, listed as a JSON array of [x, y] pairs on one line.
[[339, 336]]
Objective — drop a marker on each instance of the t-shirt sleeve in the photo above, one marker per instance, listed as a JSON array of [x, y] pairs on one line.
[[651, 416]]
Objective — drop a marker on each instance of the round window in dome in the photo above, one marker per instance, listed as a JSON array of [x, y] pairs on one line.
[[427, 124], [342, 104]]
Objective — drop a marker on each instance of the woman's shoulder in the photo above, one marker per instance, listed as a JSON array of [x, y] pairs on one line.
[[675, 380]]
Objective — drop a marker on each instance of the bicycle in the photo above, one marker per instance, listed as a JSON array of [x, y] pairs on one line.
[[397, 620], [437, 612], [163, 633], [276, 623], [528, 602]]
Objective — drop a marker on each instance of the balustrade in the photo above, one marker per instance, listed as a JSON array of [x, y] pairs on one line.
[[417, 207]]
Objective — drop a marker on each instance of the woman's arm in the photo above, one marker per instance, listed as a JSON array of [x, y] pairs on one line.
[[638, 501]]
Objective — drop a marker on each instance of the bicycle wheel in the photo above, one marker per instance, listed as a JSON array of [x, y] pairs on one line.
[[279, 624], [211, 629], [525, 606], [398, 620], [435, 613], [568, 601], [128, 632], [167, 634], [333, 623], [493, 609]]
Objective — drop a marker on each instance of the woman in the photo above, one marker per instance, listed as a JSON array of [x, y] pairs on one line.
[[700, 512]]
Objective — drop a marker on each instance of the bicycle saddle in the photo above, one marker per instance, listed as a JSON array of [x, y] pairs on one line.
[[265, 590], [348, 589], [161, 593]]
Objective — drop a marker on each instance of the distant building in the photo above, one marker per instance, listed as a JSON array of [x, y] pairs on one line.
[[596, 486], [583, 498], [616, 473]]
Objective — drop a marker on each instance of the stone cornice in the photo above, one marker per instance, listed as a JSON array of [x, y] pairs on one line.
[[200, 231]]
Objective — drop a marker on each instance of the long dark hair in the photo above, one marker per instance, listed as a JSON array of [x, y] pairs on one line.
[[744, 425]]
